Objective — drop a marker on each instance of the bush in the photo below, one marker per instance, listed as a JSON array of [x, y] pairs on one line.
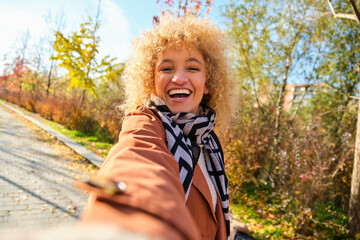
[[311, 169], [104, 123]]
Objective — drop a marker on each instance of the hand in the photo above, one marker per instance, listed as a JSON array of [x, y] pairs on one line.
[[236, 226]]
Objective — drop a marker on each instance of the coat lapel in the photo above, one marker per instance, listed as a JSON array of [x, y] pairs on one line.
[[201, 185]]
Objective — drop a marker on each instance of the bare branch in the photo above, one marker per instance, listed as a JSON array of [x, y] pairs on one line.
[[344, 15], [331, 7], [308, 79], [356, 11], [248, 65]]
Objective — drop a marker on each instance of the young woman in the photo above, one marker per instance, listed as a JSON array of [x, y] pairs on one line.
[[168, 166]]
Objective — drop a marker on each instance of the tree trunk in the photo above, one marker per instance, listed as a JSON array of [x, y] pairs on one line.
[[354, 203], [49, 78], [82, 97], [266, 173]]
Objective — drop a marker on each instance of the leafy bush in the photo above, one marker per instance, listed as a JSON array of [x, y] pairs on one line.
[[312, 172]]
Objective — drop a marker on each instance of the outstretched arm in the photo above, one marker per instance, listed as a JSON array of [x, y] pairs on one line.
[[153, 202]]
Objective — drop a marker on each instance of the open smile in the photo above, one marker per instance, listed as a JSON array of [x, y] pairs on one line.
[[179, 94]]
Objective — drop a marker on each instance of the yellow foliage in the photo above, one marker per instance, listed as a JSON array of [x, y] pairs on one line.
[[77, 54], [357, 236]]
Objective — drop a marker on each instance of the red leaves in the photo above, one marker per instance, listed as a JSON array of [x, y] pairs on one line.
[[14, 75], [20, 69], [4, 78], [169, 3], [156, 20], [308, 175], [181, 8]]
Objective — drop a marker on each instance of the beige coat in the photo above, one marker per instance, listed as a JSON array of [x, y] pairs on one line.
[[153, 202]]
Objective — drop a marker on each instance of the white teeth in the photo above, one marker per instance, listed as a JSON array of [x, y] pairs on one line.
[[179, 91]]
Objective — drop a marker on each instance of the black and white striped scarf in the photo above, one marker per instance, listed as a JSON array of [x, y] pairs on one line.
[[184, 133]]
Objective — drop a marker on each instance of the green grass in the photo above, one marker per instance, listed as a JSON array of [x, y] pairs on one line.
[[272, 215], [90, 141]]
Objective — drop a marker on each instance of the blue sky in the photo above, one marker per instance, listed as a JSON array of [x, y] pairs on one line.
[[122, 21]]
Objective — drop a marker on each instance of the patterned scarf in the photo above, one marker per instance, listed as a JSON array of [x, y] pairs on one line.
[[184, 133]]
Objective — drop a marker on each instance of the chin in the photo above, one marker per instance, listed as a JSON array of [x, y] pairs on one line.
[[176, 110]]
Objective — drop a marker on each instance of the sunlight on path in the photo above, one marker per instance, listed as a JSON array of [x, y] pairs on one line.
[[36, 179]]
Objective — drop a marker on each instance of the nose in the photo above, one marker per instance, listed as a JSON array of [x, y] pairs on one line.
[[179, 77]]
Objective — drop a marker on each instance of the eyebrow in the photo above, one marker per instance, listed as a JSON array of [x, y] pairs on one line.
[[188, 60], [165, 61], [193, 60]]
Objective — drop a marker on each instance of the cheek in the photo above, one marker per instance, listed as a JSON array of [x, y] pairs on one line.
[[202, 84], [156, 83], [159, 85]]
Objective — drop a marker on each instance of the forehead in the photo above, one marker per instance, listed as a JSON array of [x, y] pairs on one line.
[[180, 49]]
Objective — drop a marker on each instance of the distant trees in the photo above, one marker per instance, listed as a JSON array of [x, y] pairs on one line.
[[306, 152], [38, 78], [274, 44]]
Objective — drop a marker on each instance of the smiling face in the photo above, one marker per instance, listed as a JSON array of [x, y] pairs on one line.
[[180, 76]]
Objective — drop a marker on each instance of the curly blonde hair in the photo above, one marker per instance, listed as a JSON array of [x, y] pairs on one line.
[[138, 76]]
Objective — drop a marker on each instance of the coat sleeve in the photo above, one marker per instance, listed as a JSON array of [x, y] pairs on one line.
[[153, 202]]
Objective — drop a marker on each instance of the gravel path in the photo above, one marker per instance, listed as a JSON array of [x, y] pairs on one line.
[[36, 177]]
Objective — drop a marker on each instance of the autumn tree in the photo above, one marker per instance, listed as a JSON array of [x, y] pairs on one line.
[[19, 71], [16, 64], [21, 60], [78, 54]]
